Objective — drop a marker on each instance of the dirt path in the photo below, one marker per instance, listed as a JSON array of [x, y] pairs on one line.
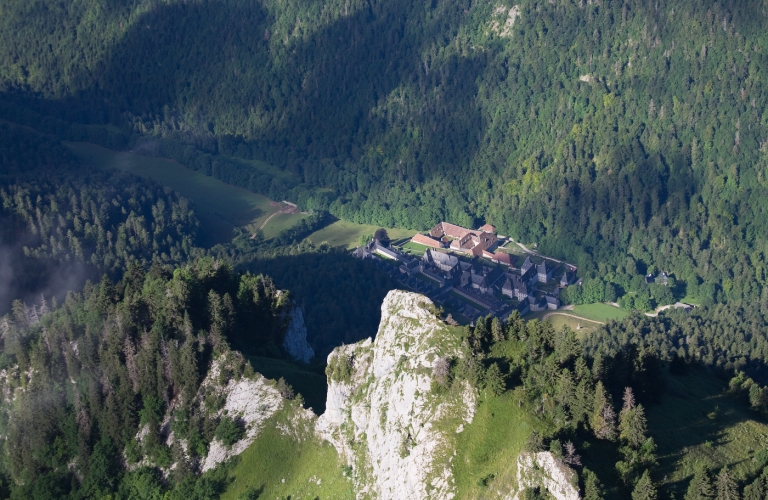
[[267, 219], [571, 316], [656, 311], [537, 254], [285, 208]]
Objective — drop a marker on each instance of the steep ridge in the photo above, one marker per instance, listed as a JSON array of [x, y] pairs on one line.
[[382, 414], [396, 409], [396, 426]]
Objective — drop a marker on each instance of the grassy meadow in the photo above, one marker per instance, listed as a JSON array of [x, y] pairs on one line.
[[698, 423], [582, 327], [347, 234], [281, 465], [486, 462], [220, 207], [264, 168], [279, 222], [599, 312]]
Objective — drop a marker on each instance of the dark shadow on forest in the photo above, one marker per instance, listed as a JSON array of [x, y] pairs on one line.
[[155, 67], [340, 296], [695, 412]]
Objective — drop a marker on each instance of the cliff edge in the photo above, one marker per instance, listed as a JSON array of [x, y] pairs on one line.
[[383, 414]]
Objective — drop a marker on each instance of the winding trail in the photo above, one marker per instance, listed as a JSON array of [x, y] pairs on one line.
[[267, 219], [537, 254], [286, 207], [571, 316]]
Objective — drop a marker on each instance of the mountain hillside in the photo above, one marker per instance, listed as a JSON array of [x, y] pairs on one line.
[[595, 128], [382, 414], [158, 403]]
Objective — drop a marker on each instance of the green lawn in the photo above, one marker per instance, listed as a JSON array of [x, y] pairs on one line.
[[580, 327], [486, 460], [347, 234], [415, 248], [277, 465], [280, 222], [599, 312], [691, 300], [220, 207], [513, 248]]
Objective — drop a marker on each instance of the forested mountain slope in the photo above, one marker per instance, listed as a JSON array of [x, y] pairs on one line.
[[623, 127], [80, 382], [62, 223]]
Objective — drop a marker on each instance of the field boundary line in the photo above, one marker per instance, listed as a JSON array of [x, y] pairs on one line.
[[571, 316]]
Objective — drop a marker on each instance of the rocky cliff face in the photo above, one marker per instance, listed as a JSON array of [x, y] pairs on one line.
[[251, 400], [384, 414], [295, 340], [387, 414], [543, 470]]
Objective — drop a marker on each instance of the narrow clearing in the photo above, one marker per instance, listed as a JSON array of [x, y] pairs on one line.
[[571, 316], [285, 208]]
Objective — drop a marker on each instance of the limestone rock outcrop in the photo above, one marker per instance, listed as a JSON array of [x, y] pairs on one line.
[[545, 471], [295, 340], [382, 413]]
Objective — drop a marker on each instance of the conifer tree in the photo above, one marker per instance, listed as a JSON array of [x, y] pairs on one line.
[[757, 397], [639, 450], [534, 443], [726, 486], [593, 489], [218, 322], [494, 380], [632, 422], [603, 418], [644, 489], [496, 330], [581, 404], [700, 487], [758, 489], [571, 457]]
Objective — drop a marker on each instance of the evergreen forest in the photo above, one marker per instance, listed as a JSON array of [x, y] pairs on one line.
[[628, 137], [600, 130]]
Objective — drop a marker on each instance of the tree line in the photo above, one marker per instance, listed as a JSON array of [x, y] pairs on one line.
[[63, 223], [584, 394], [597, 131], [115, 358]]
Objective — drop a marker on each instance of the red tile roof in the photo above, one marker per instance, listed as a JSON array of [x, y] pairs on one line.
[[477, 250], [425, 240], [454, 231], [502, 258], [488, 228]]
